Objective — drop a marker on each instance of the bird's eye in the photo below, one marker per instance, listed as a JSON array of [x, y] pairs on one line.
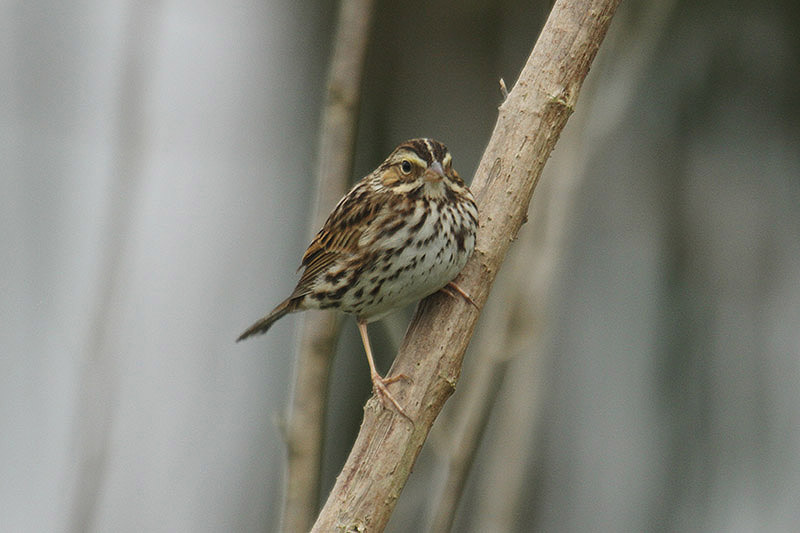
[[405, 167]]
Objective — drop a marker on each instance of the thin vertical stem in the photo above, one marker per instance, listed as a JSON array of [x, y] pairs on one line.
[[320, 330]]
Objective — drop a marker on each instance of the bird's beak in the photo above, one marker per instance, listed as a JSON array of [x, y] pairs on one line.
[[435, 173]]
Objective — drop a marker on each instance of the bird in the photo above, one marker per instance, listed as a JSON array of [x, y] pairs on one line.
[[402, 232]]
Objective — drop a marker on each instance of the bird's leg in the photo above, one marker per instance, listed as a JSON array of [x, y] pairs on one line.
[[451, 287], [379, 384]]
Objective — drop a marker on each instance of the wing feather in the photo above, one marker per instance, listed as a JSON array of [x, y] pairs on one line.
[[339, 237]]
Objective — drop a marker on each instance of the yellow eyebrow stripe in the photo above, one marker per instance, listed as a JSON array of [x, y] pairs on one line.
[[447, 160], [410, 156]]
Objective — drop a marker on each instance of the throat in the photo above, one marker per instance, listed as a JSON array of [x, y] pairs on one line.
[[434, 190]]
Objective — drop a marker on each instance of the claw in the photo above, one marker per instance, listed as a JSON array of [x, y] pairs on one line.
[[379, 386], [447, 289]]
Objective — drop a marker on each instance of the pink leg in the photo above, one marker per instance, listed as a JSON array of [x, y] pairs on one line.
[[379, 384]]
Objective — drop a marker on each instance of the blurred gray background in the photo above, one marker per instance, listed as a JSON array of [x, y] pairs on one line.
[[156, 183]]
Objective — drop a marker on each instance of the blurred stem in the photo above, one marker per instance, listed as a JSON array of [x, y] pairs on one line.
[[606, 99], [510, 329], [499, 341], [463, 443], [305, 427], [533, 274], [530, 122], [98, 389]]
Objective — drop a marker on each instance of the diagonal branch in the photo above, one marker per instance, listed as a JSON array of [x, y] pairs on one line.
[[530, 122]]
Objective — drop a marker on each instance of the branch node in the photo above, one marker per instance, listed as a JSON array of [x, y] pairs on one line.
[[561, 101], [503, 89]]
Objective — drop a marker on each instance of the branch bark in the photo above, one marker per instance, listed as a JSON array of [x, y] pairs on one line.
[[320, 330], [529, 124]]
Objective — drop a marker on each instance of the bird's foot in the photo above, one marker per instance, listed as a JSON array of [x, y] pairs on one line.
[[379, 386], [451, 288]]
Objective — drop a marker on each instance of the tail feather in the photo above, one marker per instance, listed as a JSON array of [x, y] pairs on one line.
[[261, 327]]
